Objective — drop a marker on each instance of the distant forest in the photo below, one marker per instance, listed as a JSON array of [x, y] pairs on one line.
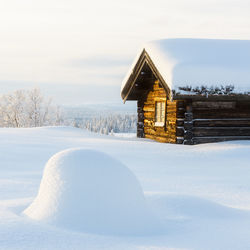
[[30, 108], [116, 123], [104, 119]]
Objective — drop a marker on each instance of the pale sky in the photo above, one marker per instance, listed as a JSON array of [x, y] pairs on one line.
[[79, 51]]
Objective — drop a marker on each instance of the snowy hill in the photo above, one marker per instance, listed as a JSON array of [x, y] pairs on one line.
[[201, 193]]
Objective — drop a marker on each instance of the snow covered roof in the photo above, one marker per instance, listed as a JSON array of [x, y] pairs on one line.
[[196, 63]]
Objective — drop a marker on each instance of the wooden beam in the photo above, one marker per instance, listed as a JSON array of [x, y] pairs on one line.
[[188, 124], [198, 140]]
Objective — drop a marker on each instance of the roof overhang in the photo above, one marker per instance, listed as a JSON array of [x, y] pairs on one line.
[[128, 85]]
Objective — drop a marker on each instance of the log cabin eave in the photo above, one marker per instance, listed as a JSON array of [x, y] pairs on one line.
[[232, 97], [133, 89]]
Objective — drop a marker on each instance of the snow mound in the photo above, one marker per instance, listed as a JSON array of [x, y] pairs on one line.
[[87, 190]]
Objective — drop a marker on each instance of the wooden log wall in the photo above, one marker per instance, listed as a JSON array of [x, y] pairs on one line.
[[217, 121], [193, 122], [166, 133], [140, 119]]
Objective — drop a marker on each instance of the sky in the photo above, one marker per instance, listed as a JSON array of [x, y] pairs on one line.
[[79, 51]]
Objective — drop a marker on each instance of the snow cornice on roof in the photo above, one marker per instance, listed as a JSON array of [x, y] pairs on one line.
[[187, 65]]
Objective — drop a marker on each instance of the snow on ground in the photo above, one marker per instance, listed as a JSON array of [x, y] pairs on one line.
[[200, 193], [125, 135]]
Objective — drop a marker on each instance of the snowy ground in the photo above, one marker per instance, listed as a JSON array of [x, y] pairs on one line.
[[125, 135], [201, 193]]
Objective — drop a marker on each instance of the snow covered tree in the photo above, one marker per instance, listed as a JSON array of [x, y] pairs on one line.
[[12, 109], [28, 108], [35, 107], [110, 124]]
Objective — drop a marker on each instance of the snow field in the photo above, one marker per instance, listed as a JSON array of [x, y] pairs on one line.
[[201, 194]]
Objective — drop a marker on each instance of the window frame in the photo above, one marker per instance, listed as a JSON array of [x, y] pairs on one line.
[[160, 123]]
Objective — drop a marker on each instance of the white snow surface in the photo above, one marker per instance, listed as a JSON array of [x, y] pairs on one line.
[[87, 190], [195, 62], [200, 193]]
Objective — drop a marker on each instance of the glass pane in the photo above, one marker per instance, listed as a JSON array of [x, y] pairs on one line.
[[157, 111], [163, 112], [160, 112]]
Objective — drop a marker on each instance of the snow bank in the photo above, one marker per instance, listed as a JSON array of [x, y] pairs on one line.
[[88, 190]]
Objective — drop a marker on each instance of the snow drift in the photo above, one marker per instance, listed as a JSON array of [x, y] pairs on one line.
[[88, 190]]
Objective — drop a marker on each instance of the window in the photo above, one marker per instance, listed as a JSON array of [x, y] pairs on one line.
[[160, 114]]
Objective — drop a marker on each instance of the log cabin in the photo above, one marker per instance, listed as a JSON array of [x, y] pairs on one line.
[[191, 91]]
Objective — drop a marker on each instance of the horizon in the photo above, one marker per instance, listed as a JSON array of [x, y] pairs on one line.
[[80, 52]]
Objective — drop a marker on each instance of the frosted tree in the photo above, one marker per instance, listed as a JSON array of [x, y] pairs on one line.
[[107, 124], [38, 108], [28, 108], [58, 116], [12, 109]]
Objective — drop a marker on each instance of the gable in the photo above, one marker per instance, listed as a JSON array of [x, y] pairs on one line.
[[141, 79]]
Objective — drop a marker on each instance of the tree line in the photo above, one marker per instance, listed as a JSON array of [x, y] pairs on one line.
[[28, 108], [116, 123]]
